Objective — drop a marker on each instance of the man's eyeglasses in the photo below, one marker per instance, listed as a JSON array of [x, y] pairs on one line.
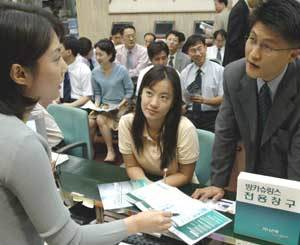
[[265, 48], [200, 49]]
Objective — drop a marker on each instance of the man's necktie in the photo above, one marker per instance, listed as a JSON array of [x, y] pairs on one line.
[[171, 59], [129, 61], [264, 106], [91, 64], [67, 88], [198, 83], [219, 56]]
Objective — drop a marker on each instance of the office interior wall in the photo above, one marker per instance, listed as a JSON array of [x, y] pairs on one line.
[[94, 20]]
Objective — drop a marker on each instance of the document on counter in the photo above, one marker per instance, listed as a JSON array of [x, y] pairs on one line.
[[113, 195], [59, 158], [193, 220]]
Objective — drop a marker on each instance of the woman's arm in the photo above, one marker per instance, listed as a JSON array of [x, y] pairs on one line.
[[30, 179], [183, 176], [133, 169]]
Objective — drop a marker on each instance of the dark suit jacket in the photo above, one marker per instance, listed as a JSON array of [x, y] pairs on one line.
[[279, 148], [238, 29]]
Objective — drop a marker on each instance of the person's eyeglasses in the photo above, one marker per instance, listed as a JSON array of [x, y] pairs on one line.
[[194, 50], [265, 48]]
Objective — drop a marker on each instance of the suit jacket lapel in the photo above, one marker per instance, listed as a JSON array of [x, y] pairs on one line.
[[177, 60], [248, 98], [282, 104]]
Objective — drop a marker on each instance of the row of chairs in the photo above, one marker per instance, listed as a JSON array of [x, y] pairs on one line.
[[74, 125]]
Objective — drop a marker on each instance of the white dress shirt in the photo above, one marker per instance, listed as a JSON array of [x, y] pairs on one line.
[[139, 58], [212, 51], [80, 78], [212, 82]]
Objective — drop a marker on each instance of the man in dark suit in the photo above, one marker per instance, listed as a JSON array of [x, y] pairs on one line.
[[237, 30], [176, 58], [261, 105]]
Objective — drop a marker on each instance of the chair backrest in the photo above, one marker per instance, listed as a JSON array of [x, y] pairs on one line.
[[203, 165], [74, 125]]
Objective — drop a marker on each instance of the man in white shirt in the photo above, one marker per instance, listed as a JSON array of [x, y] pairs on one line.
[[176, 59], [76, 89], [54, 135], [158, 54], [87, 53], [202, 85], [130, 54], [216, 52]]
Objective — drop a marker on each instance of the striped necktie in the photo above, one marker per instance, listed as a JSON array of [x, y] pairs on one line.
[[264, 106]]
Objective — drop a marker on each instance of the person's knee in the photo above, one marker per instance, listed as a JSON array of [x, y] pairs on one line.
[[92, 123], [101, 120]]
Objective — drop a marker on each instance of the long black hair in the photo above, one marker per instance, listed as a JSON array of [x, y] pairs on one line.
[[26, 32], [168, 132]]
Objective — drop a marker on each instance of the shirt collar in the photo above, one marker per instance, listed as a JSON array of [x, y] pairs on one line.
[[174, 55], [273, 84], [203, 68], [132, 50]]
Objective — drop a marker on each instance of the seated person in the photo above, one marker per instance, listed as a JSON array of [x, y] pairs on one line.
[[76, 89], [131, 54], [176, 59], [149, 38], [156, 136], [116, 35], [86, 52], [216, 52], [158, 54], [112, 86], [55, 137], [202, 85]]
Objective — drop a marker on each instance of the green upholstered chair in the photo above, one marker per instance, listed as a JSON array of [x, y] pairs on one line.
[[203, 165], [74, 125]]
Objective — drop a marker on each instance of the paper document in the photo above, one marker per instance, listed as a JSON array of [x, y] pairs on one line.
[[195, 220], [223, 205], [104, 107], [204, 26], [59, 158], [113, 195]]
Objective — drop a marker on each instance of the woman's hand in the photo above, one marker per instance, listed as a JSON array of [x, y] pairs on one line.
[[216, 193], [124, 102], [149, 222]]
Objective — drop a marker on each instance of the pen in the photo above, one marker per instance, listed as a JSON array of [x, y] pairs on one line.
[[175, 214], [165, 175]]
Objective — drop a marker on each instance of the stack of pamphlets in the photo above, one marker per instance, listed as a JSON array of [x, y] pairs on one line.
[[113, 195], [193, 221]]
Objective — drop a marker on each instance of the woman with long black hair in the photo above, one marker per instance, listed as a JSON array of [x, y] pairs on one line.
[[156, 139], [31, 209]]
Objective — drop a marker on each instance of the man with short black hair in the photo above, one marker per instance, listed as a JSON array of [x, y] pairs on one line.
[[76, 89], [216, 52], [261, 104], [130, 54], [158, 54], [201, 83], [116, 36], [86, 52], [149, 37], [176, 59]]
